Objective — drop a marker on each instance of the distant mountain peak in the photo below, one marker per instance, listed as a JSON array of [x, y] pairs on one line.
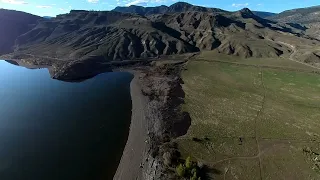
[[181, 3], [99, 36], [246, 10], [246, 13], [308, 16], [174, 8]]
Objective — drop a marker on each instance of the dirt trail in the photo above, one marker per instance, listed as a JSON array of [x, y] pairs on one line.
[[260, 111], [232, 158], [292, 47], [263, 150], [257, 118], [294, 52]]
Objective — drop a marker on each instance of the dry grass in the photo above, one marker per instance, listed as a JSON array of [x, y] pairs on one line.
[[243, 114]]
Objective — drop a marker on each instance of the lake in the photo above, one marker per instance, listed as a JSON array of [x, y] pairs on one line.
[[56, 130]]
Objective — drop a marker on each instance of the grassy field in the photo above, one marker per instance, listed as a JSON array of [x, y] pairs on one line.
[[255, 118]]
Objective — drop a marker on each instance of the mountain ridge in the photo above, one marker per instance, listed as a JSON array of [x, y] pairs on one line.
[[307, 15], [12, 26], [175, 8], [109, 36], [143, 37]]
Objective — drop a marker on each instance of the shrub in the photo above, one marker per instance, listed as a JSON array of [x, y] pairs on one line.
[[188, 170], [194, 171], [181, 170], [193, 178], [193, 174], [188, 163]]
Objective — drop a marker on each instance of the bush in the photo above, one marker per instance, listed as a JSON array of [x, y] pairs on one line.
[[194, 171], [188, 163], [194, 176], [181, 170], [188, 170]]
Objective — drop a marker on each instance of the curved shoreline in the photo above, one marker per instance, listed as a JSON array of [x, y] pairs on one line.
[[130, 164], [157, 118]]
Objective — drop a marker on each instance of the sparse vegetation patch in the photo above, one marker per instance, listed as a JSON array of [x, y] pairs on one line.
[[251, 118]]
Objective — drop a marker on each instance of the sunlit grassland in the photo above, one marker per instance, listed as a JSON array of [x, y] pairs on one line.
[[253, 120]]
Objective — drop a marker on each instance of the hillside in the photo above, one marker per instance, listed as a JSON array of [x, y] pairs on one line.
[[13, 24], [250, 85], [250, 117], [307, 16], [263, 14], [175, 8], [104, 36]]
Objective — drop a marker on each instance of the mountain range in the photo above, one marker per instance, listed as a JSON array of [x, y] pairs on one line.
[[307, 16], [177, 7], [136, 32]]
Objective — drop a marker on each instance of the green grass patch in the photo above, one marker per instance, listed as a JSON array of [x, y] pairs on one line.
[[236, 107]]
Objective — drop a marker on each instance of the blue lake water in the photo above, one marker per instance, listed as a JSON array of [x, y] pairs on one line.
[[55, 130]]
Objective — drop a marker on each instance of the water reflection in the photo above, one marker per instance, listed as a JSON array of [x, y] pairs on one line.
[[52, 130]]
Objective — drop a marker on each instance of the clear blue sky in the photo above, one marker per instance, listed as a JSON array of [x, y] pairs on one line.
[[54, 7]]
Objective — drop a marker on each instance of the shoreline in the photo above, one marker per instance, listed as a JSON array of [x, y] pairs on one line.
[[157, 118], [133, 154]]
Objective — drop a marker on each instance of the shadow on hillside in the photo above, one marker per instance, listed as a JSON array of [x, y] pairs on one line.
[[297, 26], [181, 127]]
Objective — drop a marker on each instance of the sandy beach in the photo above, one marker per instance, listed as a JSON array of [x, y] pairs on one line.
[[129, 167]]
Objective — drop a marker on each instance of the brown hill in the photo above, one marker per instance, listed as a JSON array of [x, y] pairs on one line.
[[113, 36], [240, 33], [307, 16], [13, 24], [107, 35], [312, 58], [175, 8]]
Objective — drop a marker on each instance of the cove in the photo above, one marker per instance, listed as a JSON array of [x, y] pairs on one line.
[[56, 130]]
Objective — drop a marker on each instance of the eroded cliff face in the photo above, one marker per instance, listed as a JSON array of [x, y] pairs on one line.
[[115, 36], [161, 84], [108, 35]]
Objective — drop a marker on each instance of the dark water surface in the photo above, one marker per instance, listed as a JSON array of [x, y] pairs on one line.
[[54, 130]]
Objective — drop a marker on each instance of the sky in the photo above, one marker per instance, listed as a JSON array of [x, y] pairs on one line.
[[54, 7]]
